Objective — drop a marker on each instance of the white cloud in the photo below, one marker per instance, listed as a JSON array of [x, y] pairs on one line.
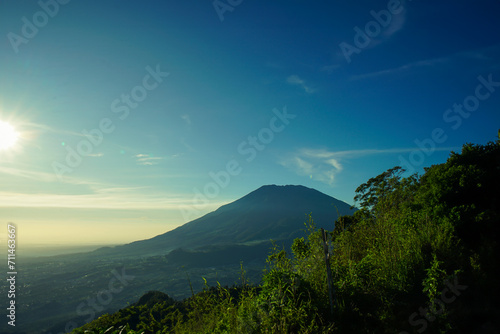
[[317, 164], [297, 81], [147, 160], [324, 165]]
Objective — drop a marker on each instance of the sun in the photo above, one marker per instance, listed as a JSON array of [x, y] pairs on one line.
[[8, 136]]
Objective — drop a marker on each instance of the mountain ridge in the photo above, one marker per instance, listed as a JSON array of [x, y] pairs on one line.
[[269, 212]]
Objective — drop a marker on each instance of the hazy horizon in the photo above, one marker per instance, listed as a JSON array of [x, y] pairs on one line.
[[43, 250]]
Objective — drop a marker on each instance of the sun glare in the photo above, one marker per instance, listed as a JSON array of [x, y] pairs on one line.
[[8, 136]]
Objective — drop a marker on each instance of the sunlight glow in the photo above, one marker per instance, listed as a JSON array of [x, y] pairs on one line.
[[8, 136]]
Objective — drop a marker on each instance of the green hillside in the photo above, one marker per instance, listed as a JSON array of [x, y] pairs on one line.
[[419, 256]]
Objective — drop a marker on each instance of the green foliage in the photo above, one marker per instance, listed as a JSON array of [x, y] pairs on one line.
[[435, 276], [390, 259]]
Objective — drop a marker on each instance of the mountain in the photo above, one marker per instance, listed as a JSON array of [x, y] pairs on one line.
[[59, 290], [270, 212]]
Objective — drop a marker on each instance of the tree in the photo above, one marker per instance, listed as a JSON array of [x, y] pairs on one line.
[[386, 193], [464, 190]]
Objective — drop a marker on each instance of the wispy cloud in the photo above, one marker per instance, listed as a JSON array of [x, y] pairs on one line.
[[188, 147], [483, 56], [48, 129], [32, 175], [297, 81], [186, 118], [43, 176], [324, 165], [147, 160], [351, 154], [109, 198], [87, 194], [402, 68]]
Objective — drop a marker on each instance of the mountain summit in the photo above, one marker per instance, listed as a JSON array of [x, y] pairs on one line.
[[270, 212]]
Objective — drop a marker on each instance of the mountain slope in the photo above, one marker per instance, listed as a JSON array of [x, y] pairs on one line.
[[270, 212]]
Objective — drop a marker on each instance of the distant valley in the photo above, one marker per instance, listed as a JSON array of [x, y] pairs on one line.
[[53, 250]]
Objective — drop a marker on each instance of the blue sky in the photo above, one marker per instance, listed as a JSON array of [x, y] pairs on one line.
[[135, 117]]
